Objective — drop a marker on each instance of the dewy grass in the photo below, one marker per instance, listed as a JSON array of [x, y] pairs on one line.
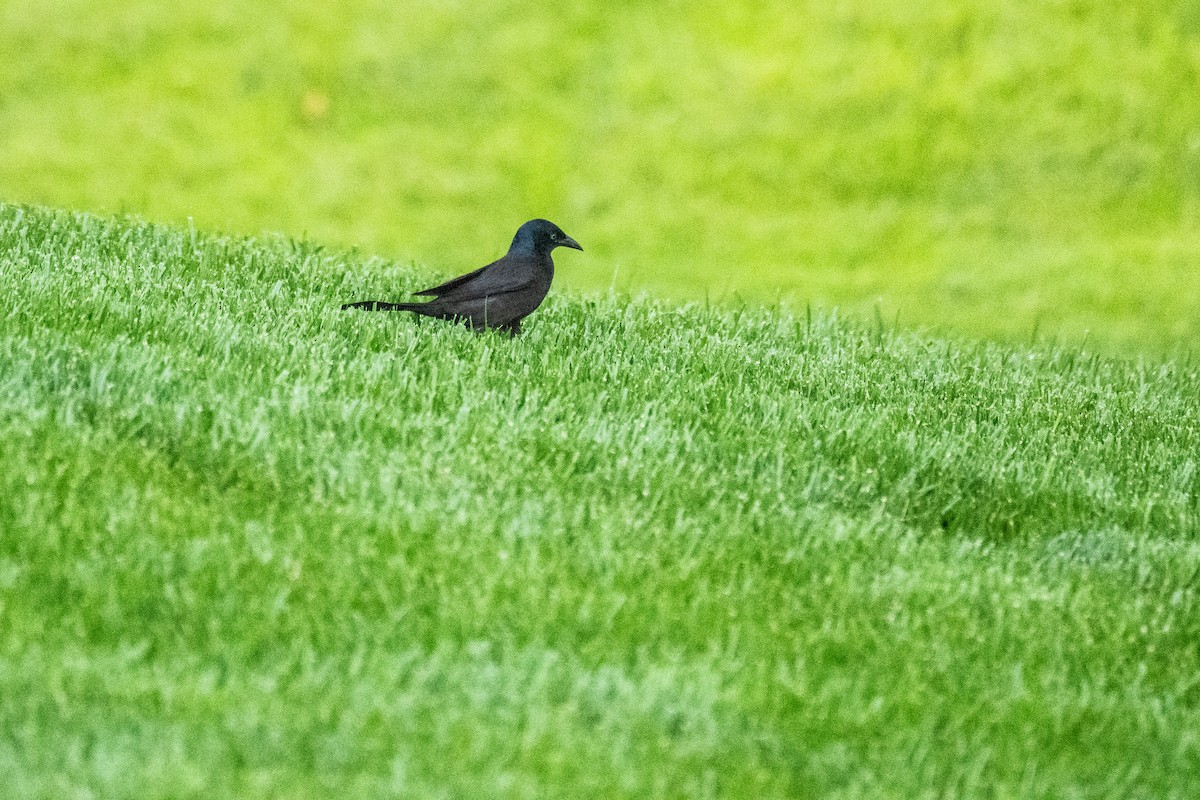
[[982, 166], [251, 546]]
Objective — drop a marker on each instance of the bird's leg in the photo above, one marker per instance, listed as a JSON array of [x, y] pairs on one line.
[[512, 329]]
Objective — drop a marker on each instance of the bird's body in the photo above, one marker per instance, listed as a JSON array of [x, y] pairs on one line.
[[499, 295]]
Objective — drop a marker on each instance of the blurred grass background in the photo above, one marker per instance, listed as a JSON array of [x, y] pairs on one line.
[[989, 167]]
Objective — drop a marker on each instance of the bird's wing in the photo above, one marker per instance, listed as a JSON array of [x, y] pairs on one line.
[[496, 278], [451, 284]]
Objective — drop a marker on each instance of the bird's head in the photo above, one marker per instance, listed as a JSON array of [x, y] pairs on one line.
[[541, 235]]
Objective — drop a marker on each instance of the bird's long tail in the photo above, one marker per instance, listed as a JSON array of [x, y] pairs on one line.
[[379, 305]]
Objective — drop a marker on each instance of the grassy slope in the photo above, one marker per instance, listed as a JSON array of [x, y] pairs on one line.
[[991, 166], [251, 546]]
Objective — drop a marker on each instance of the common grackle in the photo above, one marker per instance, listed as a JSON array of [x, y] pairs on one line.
[[499, 295]]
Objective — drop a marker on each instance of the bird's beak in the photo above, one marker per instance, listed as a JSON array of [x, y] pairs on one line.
[[567, 241]]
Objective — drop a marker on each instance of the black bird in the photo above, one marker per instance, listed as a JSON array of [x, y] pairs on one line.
[[499, 295]]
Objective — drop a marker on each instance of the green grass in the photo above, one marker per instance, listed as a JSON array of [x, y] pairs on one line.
[[990, 167], [254, 547]]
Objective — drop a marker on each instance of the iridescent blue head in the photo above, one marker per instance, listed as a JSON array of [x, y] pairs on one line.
[[541, 236]]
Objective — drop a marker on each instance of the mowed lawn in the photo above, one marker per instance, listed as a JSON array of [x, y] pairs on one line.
[[968, 165], [255, 547]]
